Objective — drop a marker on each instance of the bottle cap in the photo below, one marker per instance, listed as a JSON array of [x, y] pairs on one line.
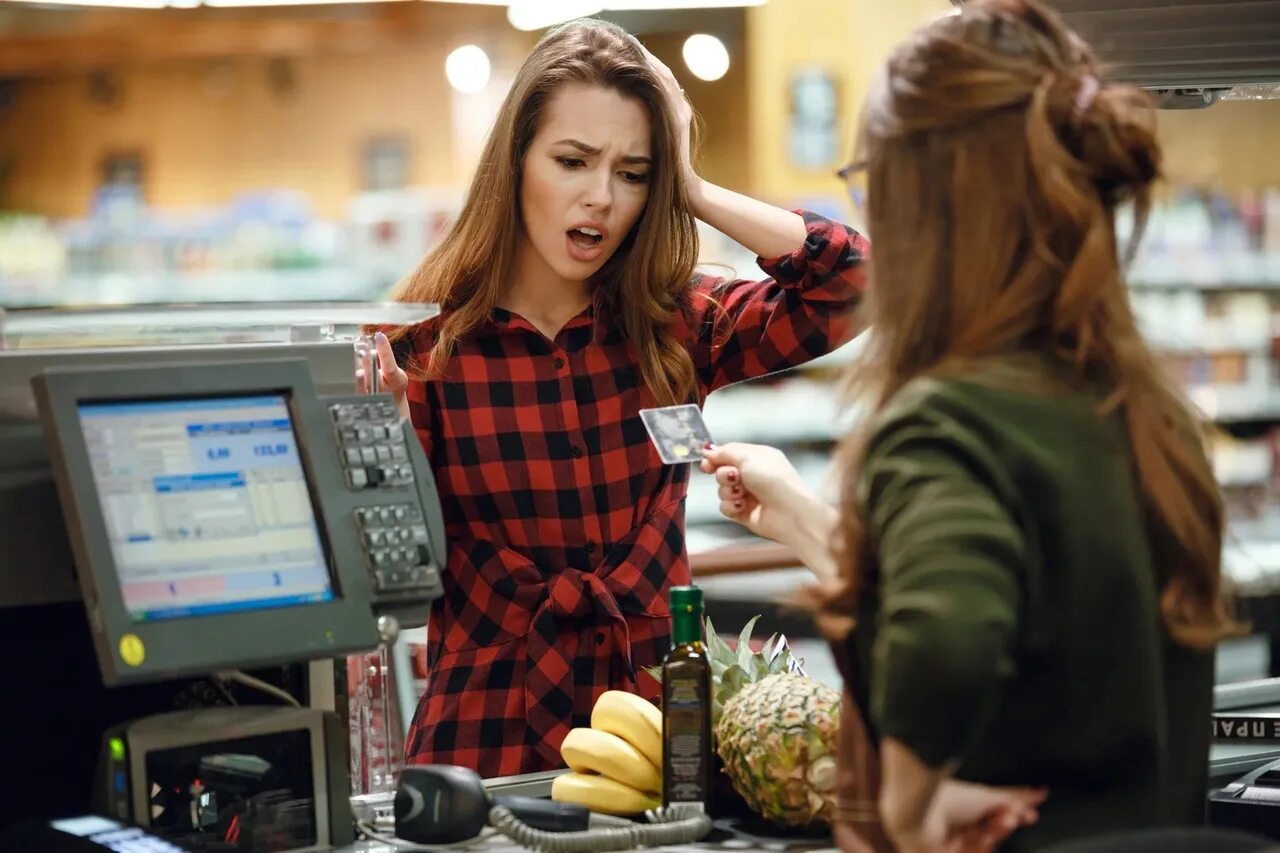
[[685, 599]]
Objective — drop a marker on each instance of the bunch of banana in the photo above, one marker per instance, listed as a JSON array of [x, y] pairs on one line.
[[617, 762]]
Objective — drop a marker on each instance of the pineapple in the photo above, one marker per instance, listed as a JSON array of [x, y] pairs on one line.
[[774, 728], [777, 739]]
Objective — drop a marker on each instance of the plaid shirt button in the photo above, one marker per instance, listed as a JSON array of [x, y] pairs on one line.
[[577, 452], [559, 362], [591, 547]]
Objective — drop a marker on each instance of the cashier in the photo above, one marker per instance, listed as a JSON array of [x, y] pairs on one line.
[[570, 303], [1025, 583]]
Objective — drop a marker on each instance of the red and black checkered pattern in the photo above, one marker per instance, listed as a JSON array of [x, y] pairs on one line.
[[565, 529]]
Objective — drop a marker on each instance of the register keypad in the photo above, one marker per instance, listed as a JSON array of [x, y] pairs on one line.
[[397, 547], [372, 445]]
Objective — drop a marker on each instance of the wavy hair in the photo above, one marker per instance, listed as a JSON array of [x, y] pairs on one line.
[[643, 284], [995, 165]]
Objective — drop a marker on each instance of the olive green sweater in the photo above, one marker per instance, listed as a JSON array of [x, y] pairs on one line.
[[1012, 622]]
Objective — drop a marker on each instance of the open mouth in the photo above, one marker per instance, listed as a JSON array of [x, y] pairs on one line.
[[585, 238]]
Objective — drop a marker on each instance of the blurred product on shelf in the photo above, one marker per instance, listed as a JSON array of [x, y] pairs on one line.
[[262, 246]]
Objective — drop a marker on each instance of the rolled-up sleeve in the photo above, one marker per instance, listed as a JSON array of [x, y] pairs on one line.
[[952, 560], [745, 329]]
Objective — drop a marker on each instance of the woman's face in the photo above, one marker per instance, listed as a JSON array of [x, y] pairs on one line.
[[586, 178]]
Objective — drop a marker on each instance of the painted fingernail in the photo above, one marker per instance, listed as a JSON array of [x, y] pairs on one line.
[[380, 337], [732, 476], [710, 445], [737, 490], [737, 504]]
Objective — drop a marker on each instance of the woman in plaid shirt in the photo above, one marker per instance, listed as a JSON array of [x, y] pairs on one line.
[[569, 303]]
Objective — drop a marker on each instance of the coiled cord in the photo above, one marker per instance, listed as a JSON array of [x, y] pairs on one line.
[[669, 826]]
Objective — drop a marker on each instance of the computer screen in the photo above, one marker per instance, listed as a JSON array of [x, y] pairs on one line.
[[206, 505]]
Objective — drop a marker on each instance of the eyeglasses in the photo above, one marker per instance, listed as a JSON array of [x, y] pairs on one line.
[[850, 169], [857, 195]]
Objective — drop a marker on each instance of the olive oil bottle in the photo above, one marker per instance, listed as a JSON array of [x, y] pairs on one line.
[[686, 705]]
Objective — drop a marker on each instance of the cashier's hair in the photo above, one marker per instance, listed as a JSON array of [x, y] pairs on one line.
[[642, 285], [995, 164]]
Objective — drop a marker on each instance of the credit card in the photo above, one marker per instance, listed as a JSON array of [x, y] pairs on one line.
[[679, 432]]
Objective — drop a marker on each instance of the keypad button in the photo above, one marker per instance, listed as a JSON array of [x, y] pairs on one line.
[[376, 476], [413, 512], [399, 452], [403, 534], [375, 537], [382, 557], [400, 511], [357, 478], [384, 452], [368, 456], [348, 435], [352, 455], [396, 434], [418, 533], [424, 554], [385, 515], [364, 435]]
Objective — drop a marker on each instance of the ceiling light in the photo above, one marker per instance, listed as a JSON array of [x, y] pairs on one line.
[[540, 14], [467, 69], [706, 56]]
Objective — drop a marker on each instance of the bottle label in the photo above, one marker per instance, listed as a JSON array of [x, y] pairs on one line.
[[688, 747]]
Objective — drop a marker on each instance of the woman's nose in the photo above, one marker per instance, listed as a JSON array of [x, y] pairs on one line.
[[599, 193]]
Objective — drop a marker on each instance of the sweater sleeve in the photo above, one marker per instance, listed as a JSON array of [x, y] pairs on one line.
[[951, 561]]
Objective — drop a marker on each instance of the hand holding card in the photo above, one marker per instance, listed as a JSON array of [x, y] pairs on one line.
[[679, 432]]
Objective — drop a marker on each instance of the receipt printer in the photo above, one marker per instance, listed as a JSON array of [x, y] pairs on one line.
[[1250, 803]]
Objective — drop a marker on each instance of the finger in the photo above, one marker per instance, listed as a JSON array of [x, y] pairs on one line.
[[731, 493], [726, 454], [728, 475], [734, 510], [707, 466], [392, 376], [362, 385]]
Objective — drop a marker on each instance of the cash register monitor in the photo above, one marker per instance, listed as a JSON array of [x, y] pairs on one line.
[[216, 524], [206, 505]]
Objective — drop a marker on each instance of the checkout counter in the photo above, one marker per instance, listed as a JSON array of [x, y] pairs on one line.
[[198, 520]]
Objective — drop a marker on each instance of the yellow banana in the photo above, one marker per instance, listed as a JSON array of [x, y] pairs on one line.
[[601, 795], [631, 718], [594, 751]]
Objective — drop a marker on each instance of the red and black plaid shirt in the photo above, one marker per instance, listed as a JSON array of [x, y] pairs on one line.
[[565, 529]]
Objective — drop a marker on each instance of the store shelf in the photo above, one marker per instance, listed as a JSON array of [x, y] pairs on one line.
[[1207, 270], [119, 288]]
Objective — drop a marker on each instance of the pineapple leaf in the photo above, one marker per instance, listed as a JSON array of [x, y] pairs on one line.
[[766, 651], [721, 655], [734, 679], [744, 644]]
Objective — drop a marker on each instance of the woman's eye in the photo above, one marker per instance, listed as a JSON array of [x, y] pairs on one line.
[[570, 162], [636, 177]]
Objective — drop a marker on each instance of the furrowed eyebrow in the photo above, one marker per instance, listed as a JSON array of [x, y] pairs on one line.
[[593, 151], [581, 146]]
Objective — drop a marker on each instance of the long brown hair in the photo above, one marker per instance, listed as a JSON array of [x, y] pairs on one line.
[[995, 164], [641, 286]]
